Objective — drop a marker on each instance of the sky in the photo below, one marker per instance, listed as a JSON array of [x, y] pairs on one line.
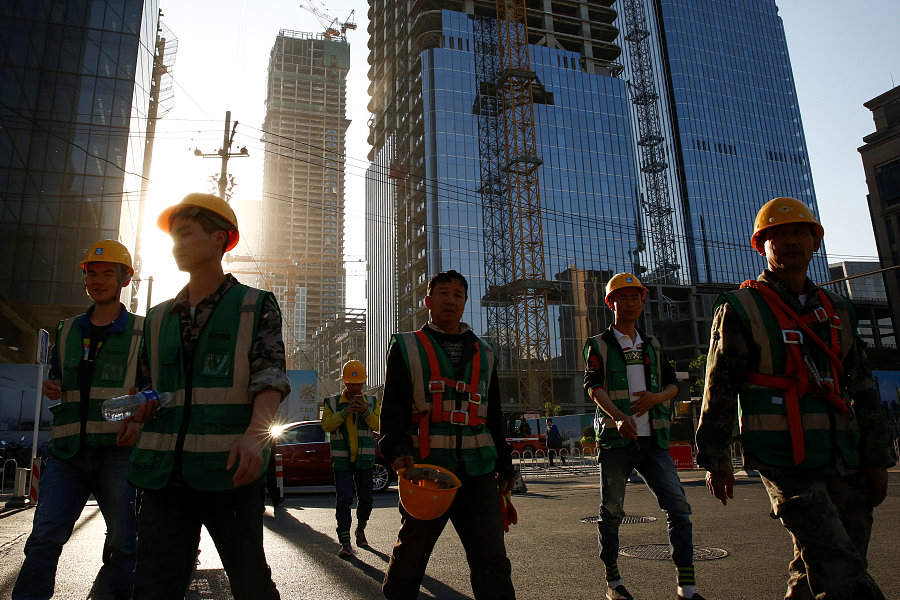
[[842, 53]]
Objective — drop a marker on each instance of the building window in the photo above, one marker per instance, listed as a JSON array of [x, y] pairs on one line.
[[887, 177]]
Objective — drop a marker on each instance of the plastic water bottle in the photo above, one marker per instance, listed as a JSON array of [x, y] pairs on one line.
[[122, 407]]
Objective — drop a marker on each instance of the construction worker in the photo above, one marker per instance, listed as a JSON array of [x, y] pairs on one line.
[[787, 353], [200, 460], [628, 377], [441, 406], [95, 358], [351, 417]]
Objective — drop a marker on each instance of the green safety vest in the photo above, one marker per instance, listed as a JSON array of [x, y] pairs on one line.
[[765, 433], [220, 404], [115, 366], [340, 444], [615, 384], [469, 433]]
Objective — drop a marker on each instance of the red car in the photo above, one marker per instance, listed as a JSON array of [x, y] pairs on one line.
[[306, 457]]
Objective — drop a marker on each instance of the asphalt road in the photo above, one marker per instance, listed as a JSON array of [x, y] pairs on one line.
[[554, 553]]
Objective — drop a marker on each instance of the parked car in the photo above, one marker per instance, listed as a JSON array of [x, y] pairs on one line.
[[306, 457]]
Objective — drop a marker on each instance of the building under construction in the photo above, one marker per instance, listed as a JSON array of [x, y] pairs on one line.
[[302, 246], [442, 140], [587, 137]]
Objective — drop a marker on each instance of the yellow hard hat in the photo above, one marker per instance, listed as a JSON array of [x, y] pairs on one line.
[[623, 280], [354, 372], [427, 491], [213, 204], [781, 211], [109, 251]]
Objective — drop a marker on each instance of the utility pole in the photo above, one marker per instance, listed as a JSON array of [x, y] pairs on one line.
[[159, 69], [225, 153]]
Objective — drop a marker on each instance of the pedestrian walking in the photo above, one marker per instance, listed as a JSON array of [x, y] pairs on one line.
[[628, 377], [350, 418], [786, 354], [200, 460], [441, 406], [554, 442], [95, 358]]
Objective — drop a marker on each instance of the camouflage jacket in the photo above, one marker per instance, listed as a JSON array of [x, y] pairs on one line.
[[733, 354], [267, 361]]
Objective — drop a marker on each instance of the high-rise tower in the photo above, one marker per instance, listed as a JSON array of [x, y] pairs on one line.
[[76, 80], [428, 102], [302, 239]]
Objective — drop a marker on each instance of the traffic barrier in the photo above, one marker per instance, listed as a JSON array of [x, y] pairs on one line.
[[35, 480], [279, 474]]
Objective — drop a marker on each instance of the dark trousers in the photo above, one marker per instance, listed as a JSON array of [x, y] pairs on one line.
[[657, 468], [355, 483], [169, 523], [476, 515], [65, 487], [829, 517]]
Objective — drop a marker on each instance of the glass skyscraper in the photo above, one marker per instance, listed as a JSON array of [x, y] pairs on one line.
[[730, 134], [74, 93], [734, 137]]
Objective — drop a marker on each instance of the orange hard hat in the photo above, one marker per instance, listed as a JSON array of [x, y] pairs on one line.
[[209, 202], [781, 211], [427, 491], [109, 251], [354, 372], [623, 280]]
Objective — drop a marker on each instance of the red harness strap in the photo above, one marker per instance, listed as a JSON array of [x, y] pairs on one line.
[[795, 382], [437, 384]]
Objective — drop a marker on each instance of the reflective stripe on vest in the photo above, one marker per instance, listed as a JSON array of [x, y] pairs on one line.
[[365, 438], [780, 399], [115, 368], [221, 406], [606, 432], [448, 413]]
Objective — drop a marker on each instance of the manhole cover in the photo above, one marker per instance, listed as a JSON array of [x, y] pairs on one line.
[[661, 552], [208, 584], [626, 520]]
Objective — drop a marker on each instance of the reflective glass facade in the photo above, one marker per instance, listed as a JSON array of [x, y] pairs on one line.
[[74, 92], [734, 135], [587, 181]]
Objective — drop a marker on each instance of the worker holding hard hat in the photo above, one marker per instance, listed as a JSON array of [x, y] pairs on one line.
[[351, 417], [95, 358], [442, 427], [785, 355]]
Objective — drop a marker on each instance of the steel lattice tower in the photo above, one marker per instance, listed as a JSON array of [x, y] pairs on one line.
[[494, 206], [655, 202], [528, 286]]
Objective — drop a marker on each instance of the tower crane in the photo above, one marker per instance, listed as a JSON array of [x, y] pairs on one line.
[[334, 27]]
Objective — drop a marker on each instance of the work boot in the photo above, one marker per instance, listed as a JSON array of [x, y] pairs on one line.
[[346, 550], [696, 596], [618, 593], [361, 541]]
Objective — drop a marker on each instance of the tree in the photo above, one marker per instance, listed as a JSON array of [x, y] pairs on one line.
[[697, 369]]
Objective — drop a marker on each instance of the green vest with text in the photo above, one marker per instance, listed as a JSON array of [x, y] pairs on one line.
[[340, 445], [765, 433], [449, 443], [616, 386], [115, 366], [212, 407]]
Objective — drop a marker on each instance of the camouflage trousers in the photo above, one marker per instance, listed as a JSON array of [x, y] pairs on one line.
[[829, 517]]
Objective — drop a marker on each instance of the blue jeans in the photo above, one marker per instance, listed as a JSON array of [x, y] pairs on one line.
[[655, 465], [358, 483], [65, 487]]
